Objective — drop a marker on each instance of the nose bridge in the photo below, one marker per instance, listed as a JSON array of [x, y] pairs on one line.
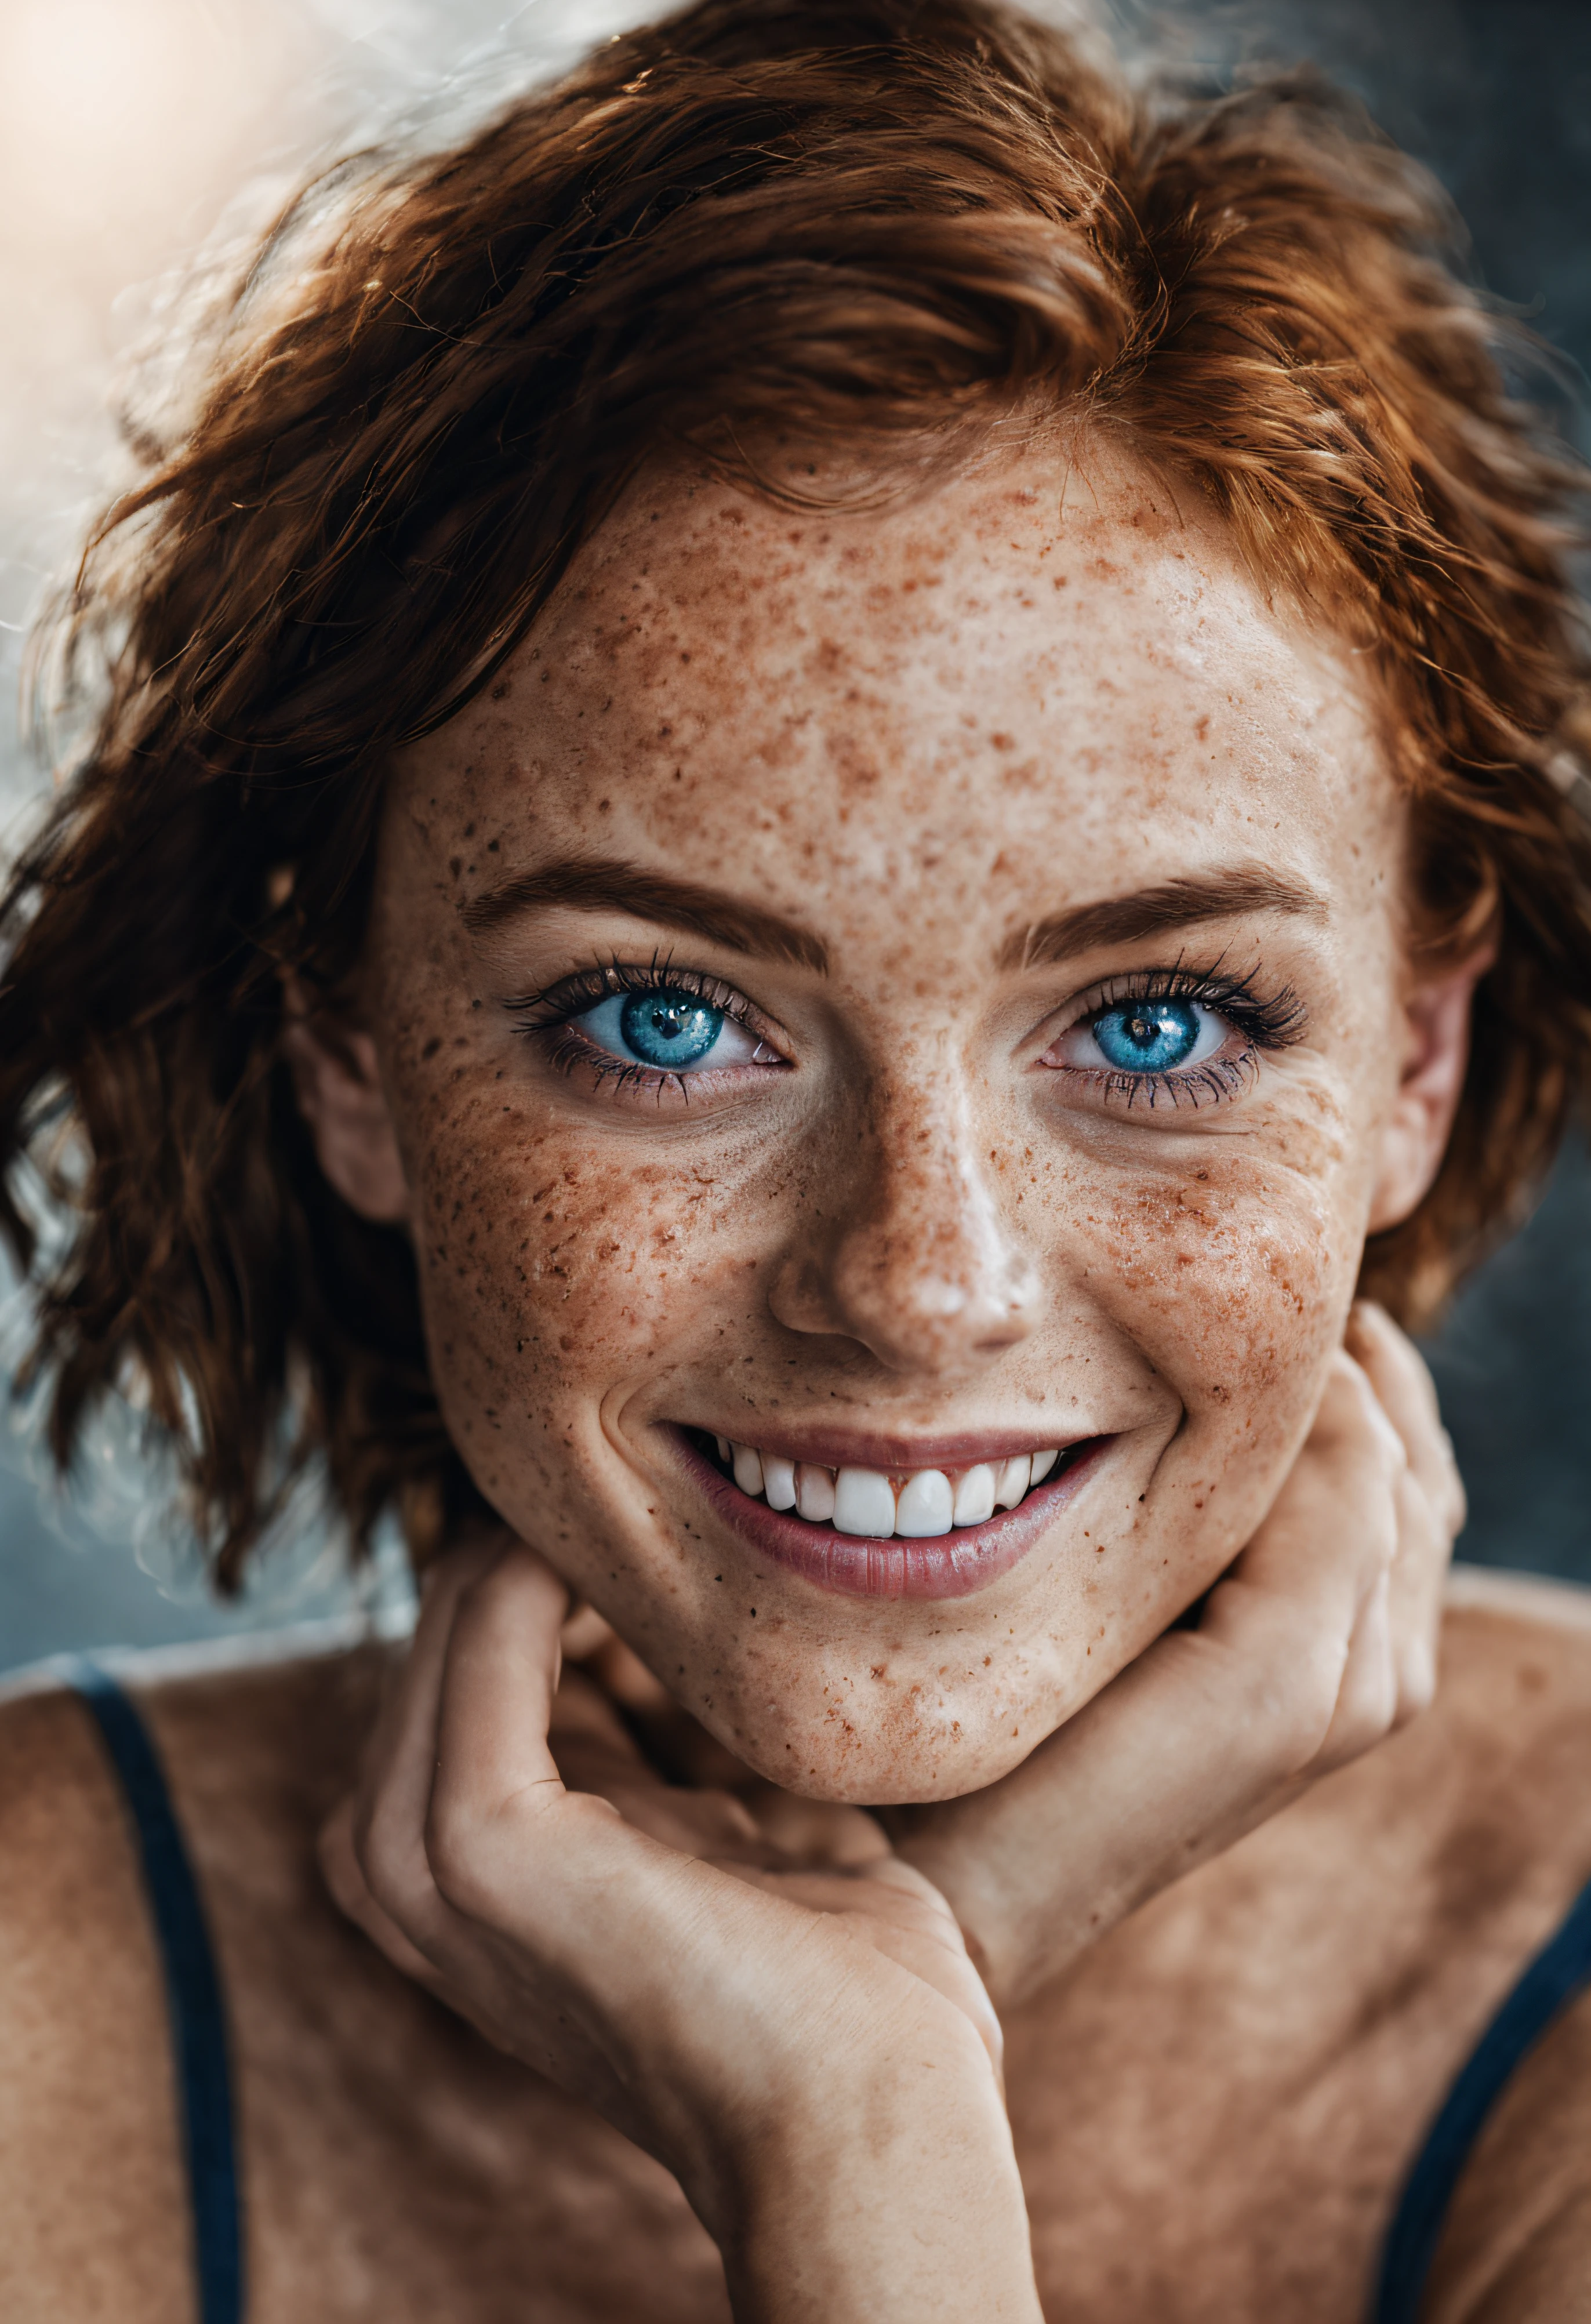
[[923, 1270]]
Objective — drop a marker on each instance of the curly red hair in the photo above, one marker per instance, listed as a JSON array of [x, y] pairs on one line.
[[880, 224]]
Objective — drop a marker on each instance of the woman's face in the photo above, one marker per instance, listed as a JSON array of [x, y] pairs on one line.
[[898, 994]]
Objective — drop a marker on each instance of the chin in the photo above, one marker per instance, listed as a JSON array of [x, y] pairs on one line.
[[901, 1738]]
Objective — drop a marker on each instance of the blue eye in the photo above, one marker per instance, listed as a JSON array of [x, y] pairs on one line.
[[668, 1029], [1143, 1038], [1149, 1037]]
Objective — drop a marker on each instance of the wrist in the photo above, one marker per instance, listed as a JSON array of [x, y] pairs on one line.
[[883, 2188]]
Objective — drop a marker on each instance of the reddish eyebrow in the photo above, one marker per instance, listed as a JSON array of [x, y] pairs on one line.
[[596, 883], [1174, 904]]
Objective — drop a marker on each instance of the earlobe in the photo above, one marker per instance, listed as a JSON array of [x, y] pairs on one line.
[[338, 1087], [1415, 1135]]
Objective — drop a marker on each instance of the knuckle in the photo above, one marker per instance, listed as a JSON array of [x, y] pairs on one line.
[[386, 1855], [450, 1853], [1416, 1685], [1300, 1712], [459, 1859]]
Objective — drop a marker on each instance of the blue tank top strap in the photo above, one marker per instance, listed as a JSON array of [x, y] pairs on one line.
[[1560, 1971], [193, 1992]]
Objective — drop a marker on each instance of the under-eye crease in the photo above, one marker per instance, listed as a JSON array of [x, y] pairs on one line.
[[1179, 1036], [671, 1021]]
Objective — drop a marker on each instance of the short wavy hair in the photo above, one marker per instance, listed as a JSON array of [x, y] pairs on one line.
[[886, 225]]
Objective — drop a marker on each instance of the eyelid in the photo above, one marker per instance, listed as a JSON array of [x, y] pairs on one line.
[[570, 997], [1269, 1020]]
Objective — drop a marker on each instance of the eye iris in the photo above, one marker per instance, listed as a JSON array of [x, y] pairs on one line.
[[1147, 1037], [669, 1028]]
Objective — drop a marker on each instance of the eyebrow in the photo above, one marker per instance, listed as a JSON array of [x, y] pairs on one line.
[[1177, 903], [597, 883]]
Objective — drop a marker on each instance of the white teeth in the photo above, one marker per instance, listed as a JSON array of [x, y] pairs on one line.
[[975, 1496], [815, 1493], [1013, 1481], [864, 1502], [924, 1504], [778, 1482]]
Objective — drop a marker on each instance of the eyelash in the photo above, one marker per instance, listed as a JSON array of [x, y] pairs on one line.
[[571, 996], [1266, 1022]]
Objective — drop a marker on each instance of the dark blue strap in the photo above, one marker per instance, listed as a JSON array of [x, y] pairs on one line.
[[1555, 1975], [193, 1992]]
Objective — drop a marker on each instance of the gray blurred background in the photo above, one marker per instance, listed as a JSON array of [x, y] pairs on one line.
[[132, 131]]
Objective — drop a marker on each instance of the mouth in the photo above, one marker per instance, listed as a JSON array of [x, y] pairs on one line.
[[887, 1532]]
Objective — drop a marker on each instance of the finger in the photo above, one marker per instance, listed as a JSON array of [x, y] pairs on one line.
[[1328, 1540], [500, 1675], [1429, 1504], [1420, 1571], [344, 1877], [388, 1827], [492, 1764], [1407, 1395], [1367, 1698], [816, 1832]]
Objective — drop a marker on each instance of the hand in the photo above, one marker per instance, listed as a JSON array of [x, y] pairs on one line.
[[1319, 1642], [799, 2036]]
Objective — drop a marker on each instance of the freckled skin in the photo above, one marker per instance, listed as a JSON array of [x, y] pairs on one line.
[[913, 735]]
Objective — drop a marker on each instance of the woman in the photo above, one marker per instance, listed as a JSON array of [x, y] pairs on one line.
[[829, 840]]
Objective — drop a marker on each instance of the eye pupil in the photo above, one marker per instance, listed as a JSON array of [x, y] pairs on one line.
[[1147, 1037], [670, 1027]]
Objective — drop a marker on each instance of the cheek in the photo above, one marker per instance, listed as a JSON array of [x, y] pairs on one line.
[[556, 1278], [1234, 1281]]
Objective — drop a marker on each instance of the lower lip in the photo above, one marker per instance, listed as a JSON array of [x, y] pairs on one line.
[[854, 1565]]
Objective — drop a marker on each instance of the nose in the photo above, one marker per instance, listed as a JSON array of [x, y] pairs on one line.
[[915, 1260]]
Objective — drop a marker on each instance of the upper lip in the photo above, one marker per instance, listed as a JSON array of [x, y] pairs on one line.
[[829, 1447]]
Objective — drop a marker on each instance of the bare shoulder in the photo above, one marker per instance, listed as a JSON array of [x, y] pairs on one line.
[[1517, 2248], [94, 2204], [90, 2177], [1515, 1708], [1512, 1719], [392, 2162]]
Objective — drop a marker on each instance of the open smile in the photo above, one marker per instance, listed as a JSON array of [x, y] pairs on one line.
[[875, 1532]]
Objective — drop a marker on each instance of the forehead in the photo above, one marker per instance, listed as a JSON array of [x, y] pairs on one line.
[[1058, 666]]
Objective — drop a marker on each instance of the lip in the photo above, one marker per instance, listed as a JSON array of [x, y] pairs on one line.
[[853, 1565], [896, 1456]]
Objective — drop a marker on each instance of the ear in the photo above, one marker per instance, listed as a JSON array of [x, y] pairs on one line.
[[1436, 1016], [340, 1096]]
